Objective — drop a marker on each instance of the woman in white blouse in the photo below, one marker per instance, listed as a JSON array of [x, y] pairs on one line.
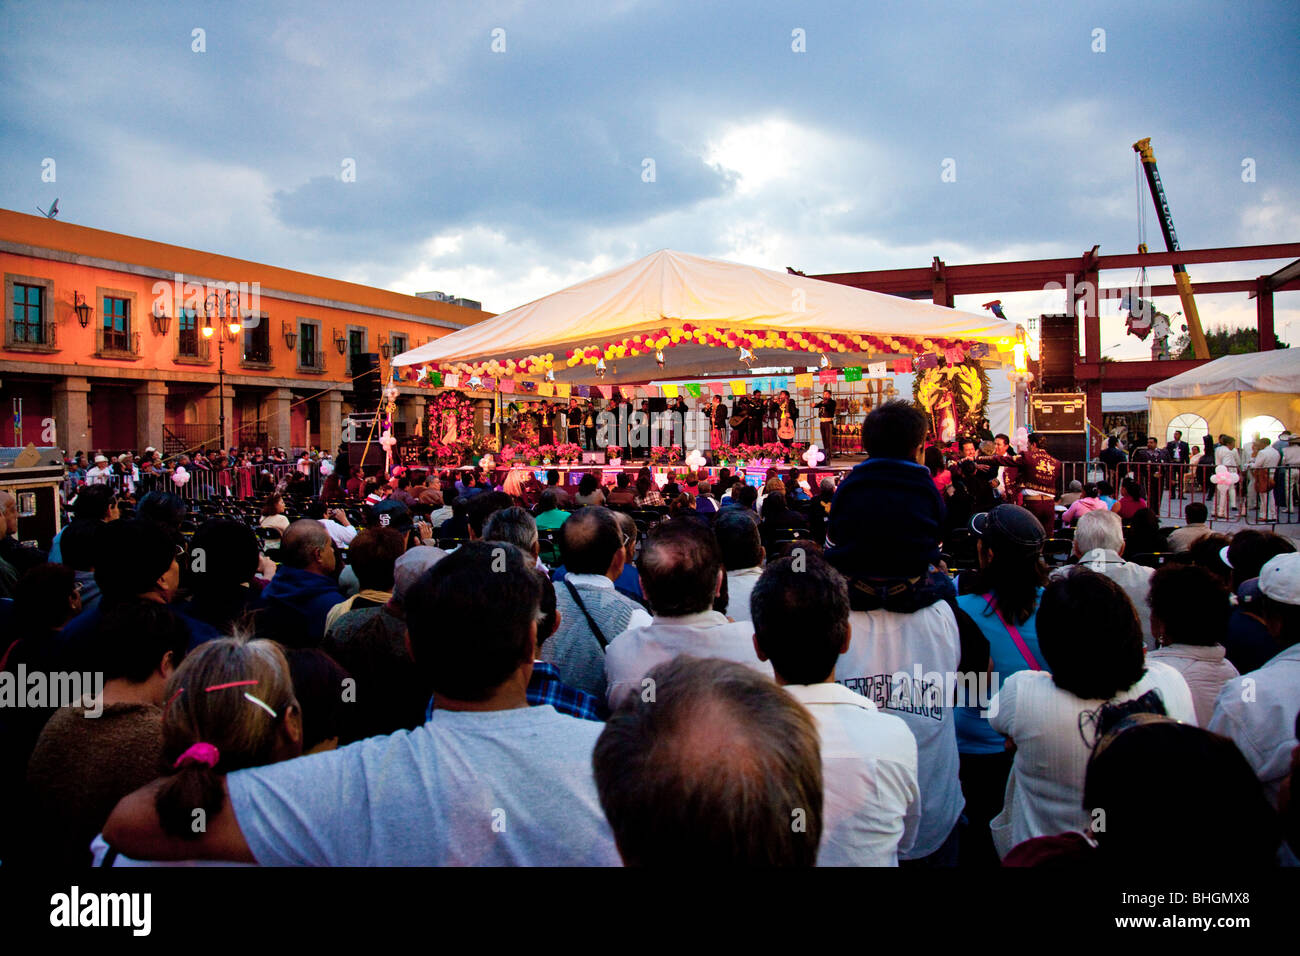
[[1091, 641]]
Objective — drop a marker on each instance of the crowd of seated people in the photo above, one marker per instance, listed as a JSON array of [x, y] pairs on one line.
[[544, 678]]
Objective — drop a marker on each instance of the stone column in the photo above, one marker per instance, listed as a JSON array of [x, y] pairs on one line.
[[150, 415], [278, 423], [482, 415], [72, 414], [331, 421]]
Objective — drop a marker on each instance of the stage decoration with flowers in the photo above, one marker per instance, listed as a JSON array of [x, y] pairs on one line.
[[659, 342], [452, 437], [659, 454], [953, 396], [763, 454]]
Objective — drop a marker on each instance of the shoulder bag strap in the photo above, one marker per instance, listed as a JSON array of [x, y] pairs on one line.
[[1021, 646], [595, 630]]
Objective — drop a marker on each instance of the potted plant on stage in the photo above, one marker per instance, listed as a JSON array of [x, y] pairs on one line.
[[614, 454]]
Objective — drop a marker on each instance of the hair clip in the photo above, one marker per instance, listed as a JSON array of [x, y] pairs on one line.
[[171, 700], [253, 700], [233, 683]]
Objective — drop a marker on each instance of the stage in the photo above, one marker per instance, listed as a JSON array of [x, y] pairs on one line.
[[571, 474]]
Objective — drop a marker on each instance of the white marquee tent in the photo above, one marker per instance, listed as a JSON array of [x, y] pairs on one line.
[[789, 320], [1238, 395]]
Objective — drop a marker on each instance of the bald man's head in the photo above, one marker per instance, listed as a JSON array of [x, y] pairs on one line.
[[306, 546], [713, 765], [8, 514], [590, 540]]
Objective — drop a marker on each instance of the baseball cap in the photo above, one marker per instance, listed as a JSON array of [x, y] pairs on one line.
[[1279, 579], [1009, 524], [391, 513]]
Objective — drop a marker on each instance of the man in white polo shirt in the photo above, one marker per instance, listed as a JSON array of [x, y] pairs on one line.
[[681, 575], [872, 801], [1257, 710]]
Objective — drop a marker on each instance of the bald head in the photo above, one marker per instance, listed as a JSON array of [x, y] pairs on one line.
[[590, 541], [306, 546], [716, 769]]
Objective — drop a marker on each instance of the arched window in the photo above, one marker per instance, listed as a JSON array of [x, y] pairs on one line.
[[1193, 427], [1261, 426]]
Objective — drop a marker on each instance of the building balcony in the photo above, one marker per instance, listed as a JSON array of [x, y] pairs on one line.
[[311, 362], [256, 356], [192, 348], [116, 344], [31, 336]]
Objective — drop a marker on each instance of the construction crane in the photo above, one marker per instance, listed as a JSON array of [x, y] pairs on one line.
[[1143, 148]]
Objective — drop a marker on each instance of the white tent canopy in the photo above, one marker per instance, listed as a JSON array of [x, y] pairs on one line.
[[667, 289], [1274, 371], [1237, 395]]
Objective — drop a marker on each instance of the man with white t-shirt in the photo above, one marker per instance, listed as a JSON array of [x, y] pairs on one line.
[[872, 801], [681, 575], [904, 650], [487, 781], [99, 474]]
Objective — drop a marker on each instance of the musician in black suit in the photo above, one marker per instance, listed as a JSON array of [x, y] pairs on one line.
[[785, 410], [677, 429], [826, 419], [717, 423], [740, 412], [758, 414], [573, 422]]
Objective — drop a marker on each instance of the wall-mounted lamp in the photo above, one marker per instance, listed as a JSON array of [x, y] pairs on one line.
[[385, 349], [161, 321], [340, 341], [290, 336], [81, 308]]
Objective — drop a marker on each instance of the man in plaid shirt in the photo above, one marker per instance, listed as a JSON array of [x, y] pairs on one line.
[[545, 686]]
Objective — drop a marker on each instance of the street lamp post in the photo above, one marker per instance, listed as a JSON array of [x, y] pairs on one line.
[[216, 304]]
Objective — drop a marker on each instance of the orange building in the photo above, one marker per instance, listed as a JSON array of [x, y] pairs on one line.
[[104, 339]]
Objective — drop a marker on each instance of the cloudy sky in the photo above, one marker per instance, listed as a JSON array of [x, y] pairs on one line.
[[500, 151]]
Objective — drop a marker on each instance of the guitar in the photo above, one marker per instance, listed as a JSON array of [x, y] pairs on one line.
[[785, 430]]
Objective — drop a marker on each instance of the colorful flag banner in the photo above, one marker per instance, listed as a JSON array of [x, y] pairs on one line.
[[827, 375], [507, 385], [928, 360], [563, 389], [545, 388], [804, 380], [853, 373], [978, 350], [435, 378], [670, 391], [451, 380], [527, 385], [876, 370], [489, 384], [955, 355], [584, 391], [717, 388], [738, 386], [902, 366], [596, 392], [781, 384], [693, 389]]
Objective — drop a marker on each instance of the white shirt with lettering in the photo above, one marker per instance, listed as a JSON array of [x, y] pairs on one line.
[[902, 662]]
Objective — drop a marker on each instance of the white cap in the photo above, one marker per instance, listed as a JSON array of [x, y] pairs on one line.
[[1279, 578]]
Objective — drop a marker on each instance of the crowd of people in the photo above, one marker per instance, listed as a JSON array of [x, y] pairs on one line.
[[430, 669]]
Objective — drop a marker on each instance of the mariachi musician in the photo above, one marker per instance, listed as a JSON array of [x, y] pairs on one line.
[[545, 424], [786, 414], [573, 422], [677, 427], [740, 412], [718, 423], [759, 412], [826, 419]]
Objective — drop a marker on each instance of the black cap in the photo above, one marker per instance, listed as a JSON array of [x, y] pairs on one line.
[[391, 513], [1009, 524]]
